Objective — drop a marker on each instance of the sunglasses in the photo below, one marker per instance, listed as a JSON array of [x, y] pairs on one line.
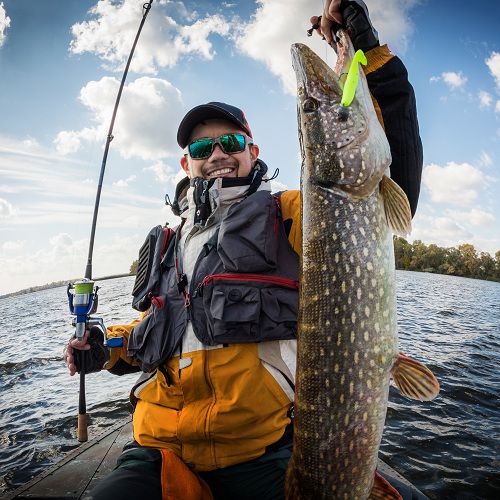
[[229, 143]]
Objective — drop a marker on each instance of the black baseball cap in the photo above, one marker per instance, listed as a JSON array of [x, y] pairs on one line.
[[206, 112]]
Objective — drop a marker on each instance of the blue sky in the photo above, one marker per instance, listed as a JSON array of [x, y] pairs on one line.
[[60, 67]]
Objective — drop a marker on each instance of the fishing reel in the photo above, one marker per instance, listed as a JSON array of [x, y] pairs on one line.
[[83, 300]]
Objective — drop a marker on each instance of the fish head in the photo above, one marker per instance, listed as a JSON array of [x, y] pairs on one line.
[[344, 148]]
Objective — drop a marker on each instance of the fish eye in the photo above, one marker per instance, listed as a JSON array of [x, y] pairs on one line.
[[310, 105]]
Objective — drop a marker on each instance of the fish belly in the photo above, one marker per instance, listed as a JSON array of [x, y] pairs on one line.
[[347, 343]]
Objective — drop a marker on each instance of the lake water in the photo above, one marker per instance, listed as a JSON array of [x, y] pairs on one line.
[[449, 448]]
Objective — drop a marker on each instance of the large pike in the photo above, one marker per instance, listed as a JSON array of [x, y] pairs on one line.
[[347, 344]]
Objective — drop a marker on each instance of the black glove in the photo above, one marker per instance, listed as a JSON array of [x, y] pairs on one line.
[[356, 21], [95, 358]]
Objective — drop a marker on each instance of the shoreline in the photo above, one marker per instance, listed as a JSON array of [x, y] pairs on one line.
[[56, 284]]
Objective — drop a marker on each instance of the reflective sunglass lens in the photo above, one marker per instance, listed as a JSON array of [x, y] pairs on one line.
[[201, 148], [232, 143]]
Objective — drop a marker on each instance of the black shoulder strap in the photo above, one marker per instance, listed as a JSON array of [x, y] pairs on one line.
[[149, 265]]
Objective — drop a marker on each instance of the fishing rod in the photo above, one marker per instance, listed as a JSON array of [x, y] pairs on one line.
[[82, 295]]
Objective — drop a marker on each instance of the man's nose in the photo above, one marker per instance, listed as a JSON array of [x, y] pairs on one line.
[[218, 153]]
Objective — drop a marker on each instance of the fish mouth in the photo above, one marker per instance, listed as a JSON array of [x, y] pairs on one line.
[[313, 73], [345, 146]]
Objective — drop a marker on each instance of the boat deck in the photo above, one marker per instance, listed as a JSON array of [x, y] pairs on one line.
[[74, 476], [80, 470]]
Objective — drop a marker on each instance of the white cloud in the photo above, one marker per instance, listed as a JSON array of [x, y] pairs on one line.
[[62, 256], [143, 127], [442, 231], [454, 80], [6, 209], [392, 21], [194, 38], [12, 246], [4, 24], [277, 24], [474, 217], [458, 184], [277, 186], [485, 99], [493, 63], [272, 25], [123, 183], [30, 143], [70, 141], [162, 173], [44, 262], [112, 31], [62, 245], [485, 159], [4, 188]]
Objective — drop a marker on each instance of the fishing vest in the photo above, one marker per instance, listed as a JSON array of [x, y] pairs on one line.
[[244, 287]]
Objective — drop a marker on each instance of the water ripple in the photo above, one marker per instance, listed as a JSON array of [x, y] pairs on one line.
[[449, 447]]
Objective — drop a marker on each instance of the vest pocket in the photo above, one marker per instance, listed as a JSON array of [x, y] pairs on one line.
[[249, 308], [235, 313], [149, 343], [279, 303]]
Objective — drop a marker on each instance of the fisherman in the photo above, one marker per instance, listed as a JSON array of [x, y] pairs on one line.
[[213, 408]]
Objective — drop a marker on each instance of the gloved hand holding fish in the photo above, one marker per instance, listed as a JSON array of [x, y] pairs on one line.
[[347, 340]]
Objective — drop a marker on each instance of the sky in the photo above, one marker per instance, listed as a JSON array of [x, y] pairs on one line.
[[61, 63]]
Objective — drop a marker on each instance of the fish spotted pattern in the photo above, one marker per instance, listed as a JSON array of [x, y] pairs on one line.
[[347, 343]]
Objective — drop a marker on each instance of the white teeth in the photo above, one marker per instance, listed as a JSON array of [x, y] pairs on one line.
[[220, 172]]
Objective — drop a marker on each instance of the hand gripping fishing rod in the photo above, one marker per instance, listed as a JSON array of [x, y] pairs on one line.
[[82, 295]]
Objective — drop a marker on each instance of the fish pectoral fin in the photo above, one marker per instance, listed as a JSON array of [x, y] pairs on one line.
[[414, 379], [383, 490], [396, 206]]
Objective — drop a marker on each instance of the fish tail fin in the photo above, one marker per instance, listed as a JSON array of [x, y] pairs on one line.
[[414, 379], [396, 206], [383, 490], [292, 486]]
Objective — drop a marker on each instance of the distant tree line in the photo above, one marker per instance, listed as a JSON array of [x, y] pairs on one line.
[[37, 288], [134, 266], [463, 260], [56, 284]]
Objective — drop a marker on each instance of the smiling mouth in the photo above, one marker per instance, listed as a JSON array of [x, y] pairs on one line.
[[220, 172]]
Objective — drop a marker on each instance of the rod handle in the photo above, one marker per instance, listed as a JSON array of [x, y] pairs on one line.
[[82, 428]]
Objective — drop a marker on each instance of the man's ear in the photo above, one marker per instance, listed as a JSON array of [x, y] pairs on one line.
[[185, 164], [254, 153]]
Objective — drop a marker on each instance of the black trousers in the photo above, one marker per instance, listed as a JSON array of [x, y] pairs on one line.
[[138, 476]]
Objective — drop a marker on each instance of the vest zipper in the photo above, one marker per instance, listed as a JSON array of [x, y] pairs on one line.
[[273, 280]]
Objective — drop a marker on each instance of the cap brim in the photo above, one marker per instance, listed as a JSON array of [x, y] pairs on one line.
[[200, 114]]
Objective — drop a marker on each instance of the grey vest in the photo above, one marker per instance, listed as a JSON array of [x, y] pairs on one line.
[[244, 287]]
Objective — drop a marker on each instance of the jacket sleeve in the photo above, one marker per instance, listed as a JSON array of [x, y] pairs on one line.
[[394, 96], [290, 211], [120, 363]]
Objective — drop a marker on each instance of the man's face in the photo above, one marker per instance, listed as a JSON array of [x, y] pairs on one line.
[[219, 164]]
